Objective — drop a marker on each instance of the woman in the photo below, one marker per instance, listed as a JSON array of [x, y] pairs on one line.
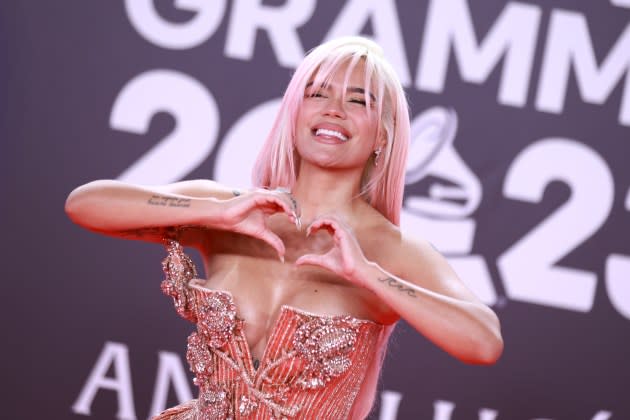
[[306, 276]]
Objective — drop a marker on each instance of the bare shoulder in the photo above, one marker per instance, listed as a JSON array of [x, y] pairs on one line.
[[380, 239], [400, 253], [413, 258], [391, 239], [422, 264]]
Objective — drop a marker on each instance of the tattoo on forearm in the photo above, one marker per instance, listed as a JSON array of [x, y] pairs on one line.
[[160, 200], [392, 282]]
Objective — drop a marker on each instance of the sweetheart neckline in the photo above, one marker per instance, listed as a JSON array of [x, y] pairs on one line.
[[263, 360], [283, 307]]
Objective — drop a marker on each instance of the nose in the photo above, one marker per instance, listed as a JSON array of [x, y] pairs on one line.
[[334, 107]]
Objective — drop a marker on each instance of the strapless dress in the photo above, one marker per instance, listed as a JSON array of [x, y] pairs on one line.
[[312, 367]]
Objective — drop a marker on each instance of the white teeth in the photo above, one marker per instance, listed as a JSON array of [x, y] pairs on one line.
[[333, 133]]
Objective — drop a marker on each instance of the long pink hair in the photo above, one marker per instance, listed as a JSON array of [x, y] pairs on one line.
[[383, 184]]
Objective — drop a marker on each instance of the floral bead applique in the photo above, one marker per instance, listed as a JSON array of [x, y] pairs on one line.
[[215, 403], [326, 344], [179, 269], [217, 319]]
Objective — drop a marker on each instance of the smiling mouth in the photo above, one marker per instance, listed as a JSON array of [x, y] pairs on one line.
[[331, 133]]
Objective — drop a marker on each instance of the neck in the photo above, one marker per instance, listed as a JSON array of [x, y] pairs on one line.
[[327, 191]]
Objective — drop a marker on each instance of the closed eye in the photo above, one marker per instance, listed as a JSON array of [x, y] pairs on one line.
[[316, 94]]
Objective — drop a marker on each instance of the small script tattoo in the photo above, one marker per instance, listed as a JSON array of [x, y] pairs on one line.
[[160, 200], [392, 282]]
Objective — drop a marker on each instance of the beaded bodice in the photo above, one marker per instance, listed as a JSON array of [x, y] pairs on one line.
[[312, 367]]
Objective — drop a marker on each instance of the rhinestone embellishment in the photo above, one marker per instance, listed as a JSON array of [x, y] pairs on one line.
[[179, 269], [215, 404], [326, 344], [217, 319]]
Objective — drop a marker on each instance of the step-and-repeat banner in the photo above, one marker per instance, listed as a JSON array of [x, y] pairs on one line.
[[519, 172]]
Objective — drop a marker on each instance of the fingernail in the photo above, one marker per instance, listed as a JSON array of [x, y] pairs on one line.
[[282, 259]]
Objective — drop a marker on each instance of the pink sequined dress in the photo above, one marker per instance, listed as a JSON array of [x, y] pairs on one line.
[[312, 368]]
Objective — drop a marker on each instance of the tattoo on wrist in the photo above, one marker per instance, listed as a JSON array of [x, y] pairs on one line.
[[160, 200], [392, 282]]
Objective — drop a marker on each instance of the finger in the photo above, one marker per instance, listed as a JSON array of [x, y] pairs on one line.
[[278, 203], [286, 194], [322, 223], [295, 214], [312, 259], [272, 204], [274, 241], [314, 226]]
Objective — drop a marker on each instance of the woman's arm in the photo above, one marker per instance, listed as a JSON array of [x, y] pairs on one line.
[[425, 291], [432, 299], [148, 213], [138, 212]]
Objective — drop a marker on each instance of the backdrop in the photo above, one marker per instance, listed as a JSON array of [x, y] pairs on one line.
[[528, 195]]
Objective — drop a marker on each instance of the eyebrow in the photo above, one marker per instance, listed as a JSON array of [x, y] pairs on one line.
[[351, 89]]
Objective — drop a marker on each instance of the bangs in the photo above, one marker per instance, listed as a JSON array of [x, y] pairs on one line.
[[373, 87]]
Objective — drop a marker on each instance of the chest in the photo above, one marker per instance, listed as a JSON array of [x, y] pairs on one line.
[[296, 242], [261, 284]]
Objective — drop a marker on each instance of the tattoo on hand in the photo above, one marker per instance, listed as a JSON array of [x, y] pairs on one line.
[[160, 200], [392, 282]]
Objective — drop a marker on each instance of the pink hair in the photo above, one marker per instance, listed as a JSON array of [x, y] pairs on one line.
[[383, 185]]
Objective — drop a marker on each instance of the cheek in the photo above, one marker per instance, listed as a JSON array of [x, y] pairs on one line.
[[371, 130]]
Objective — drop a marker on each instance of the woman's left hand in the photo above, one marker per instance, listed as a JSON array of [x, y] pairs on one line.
[[345, 258]]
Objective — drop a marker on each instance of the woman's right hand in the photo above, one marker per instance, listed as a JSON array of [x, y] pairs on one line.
[[248, 213]]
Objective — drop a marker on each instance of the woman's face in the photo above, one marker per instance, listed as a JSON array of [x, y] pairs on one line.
[[334, 128]]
